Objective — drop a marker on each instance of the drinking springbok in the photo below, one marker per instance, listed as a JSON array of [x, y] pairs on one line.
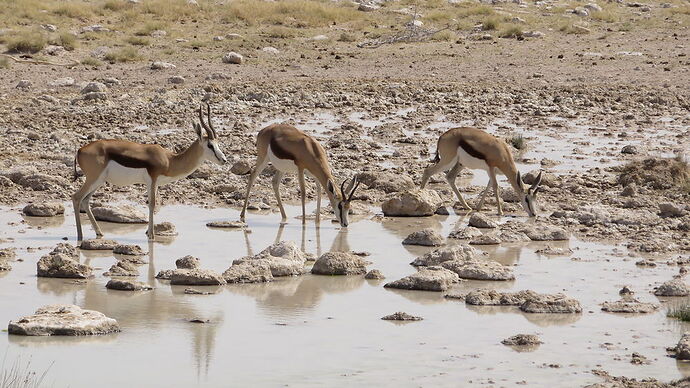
[[477, 150], [293, 151], [123, 163]]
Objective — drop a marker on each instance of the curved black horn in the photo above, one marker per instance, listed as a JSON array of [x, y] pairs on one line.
[[209, 132], [353, 191], [342, 188], [208, 117]]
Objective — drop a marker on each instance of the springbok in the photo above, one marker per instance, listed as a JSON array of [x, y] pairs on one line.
[[477, 150], [293, 151], [123, 163]]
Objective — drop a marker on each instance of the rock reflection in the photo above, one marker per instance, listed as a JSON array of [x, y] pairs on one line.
[[44, 222]]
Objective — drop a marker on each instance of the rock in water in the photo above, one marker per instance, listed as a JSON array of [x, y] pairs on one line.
[[440, 255], [427, 279], [555, 304], [122, 268], [466, 233], [165, 229], [248, 272], [284, 259], [227, 224], [127, 285], [196, 277], [123, 214], [339, 263], [47, 209], [675, 287], [128, 249], [522, 340], [480, 220], [546, 233], [496, 298], [59, 265], [62, 319], [387, 182], [401, 316], [425, 237], [629, 306], [682, 349], [374, 274], [412, 203], [98, 244], [479, 269], [187, 262]]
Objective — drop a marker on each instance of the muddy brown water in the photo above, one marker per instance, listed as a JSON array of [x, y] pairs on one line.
[[326, 331]]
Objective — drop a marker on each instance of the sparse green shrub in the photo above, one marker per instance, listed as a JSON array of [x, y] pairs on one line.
[[66, 40], [89, 61], [125, 54], [491, 23], [512, 31], [682, 313], [26, 42], [444, 36], [346, 37], [517, 141], [138, 41]]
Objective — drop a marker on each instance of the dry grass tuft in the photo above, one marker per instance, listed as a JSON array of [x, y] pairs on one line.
[[511, 31], [26, 42], [656, 173], [89, 61], [347, 37], [294, 13], [572, 28], [66, 40], [491, 23], [4, 63], [138, 41], [125, 54]]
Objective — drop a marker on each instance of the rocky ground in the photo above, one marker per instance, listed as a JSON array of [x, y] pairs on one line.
[[603, 112]]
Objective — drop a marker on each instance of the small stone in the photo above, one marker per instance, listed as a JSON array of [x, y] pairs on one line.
[[44, 209], [480, 220], [412, 203], [558, 304], [626, 291], [177, 80], [367, 7], [165, 229], [682, 349], [233, 58], [270, 50], [486, 239], [629, 306], [122, 268], [98, 244], [60, 319], [441, 255], [427, 279], [95, 96], [479, 269], [466, 233], [62, 82], [158, 65], [547, 233], [60, 265], [188, 262], [374, 274], [227, 224], [629, 149], [339, 263], [401, 316], [241, 167], [127, 285], [425, 237], [128, 249], [218, 38], [675, 287], [522, 340], [123, 214], [94, 87], [23, 84], [638, 359], [158, 33], [668, 209], [196, 277]]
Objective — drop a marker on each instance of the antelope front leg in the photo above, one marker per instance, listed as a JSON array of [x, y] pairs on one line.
[[483, 197], [318, 202], [450, 177], [276, 190], [152, 206], [496, 192], [303, 194]]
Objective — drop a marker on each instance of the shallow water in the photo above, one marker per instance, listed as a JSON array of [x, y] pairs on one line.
[[326, 331]]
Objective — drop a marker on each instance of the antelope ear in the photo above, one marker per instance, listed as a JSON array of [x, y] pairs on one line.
[[537, 181], [197, 129], [330, 187]]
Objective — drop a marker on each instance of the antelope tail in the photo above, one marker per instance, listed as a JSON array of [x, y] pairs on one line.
[[74, 178]]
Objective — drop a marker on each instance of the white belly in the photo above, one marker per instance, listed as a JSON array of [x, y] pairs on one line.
[[284, 165], [119, 175], [470, 161]]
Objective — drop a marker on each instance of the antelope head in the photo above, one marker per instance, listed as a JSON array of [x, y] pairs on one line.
[[341, 203], [209, 142], [528, 197]]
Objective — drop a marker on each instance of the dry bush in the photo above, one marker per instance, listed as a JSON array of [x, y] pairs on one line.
[[89, 61], [572, 28], [346, 37], [298, 13], [138, 41], [149, 27], [125, 54], [4, 63], [491, 23], [511, 31], [26, 42], [656, 173], [473, 10], [66, 40], [116, 5], [604, 16], [74, 10], [444, 36]]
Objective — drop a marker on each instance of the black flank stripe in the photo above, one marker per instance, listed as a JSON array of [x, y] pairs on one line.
[[280, 152], [471, 150]]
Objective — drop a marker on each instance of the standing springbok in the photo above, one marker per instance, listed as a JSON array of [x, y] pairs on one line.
[[123, 163], [477, 150], [293, 151]]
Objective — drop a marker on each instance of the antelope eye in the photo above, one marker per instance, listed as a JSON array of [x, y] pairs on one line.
[[210, 146]]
